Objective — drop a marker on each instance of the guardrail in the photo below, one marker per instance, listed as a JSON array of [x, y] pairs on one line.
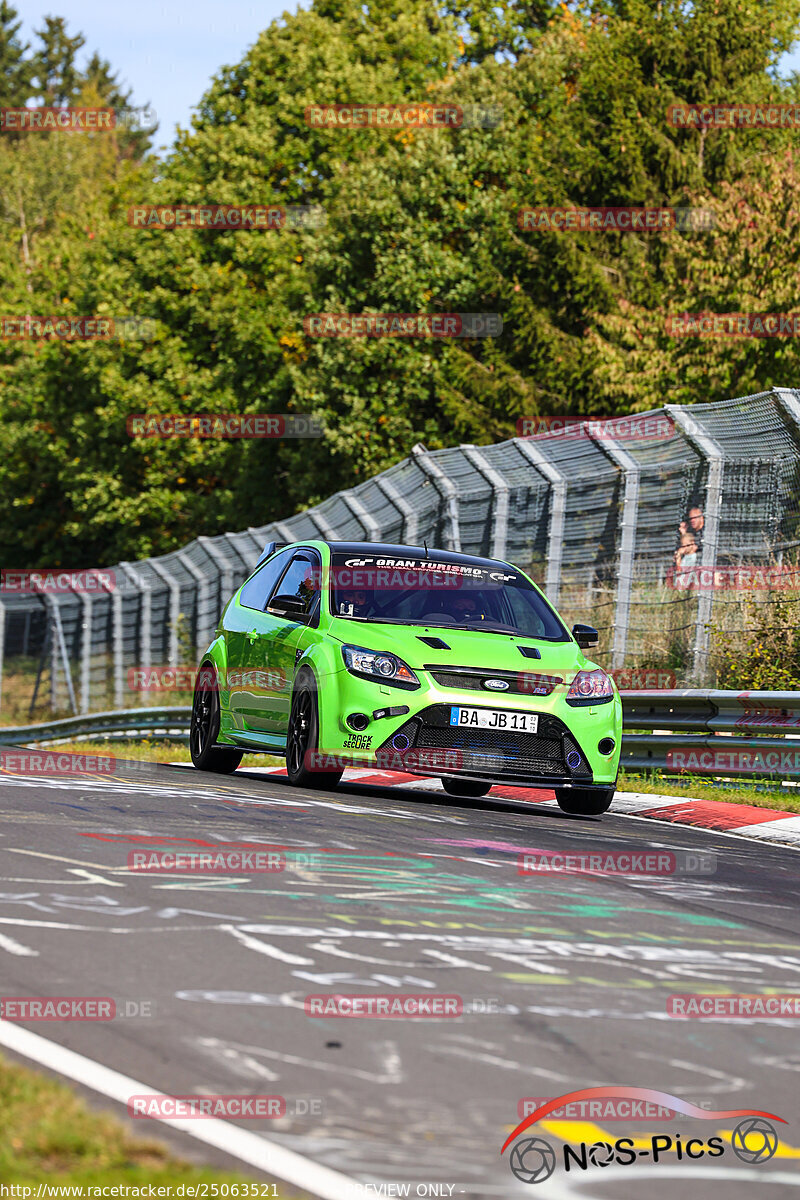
[[130, 722], [696, 731], [705, 732]]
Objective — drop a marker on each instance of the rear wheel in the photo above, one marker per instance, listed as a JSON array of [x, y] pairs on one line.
[[584, 802], [464, 787], [302, 741], [204, 728]]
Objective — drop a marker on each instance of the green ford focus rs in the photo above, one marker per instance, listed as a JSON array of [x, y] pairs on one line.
[[344, 654]]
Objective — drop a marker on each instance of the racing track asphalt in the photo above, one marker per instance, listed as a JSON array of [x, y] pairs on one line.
[[407, 891]]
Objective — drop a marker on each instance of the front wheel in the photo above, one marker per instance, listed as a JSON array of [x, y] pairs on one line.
[[302, 742], [464, 787], [204, 728], [584, 802]]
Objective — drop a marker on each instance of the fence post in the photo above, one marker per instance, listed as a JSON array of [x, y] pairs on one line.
[[558, 511], [787, 398], [201, 600], [174, 607], [59, 646], [285, 532], [86, 641], [500, 499], [224, 571], [145, 593], [446, 489], [326, 530], [370, 525], [694, 433], [627, 542], [409, 532]]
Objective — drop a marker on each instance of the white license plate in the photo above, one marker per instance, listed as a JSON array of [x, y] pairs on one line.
[[494, 718]]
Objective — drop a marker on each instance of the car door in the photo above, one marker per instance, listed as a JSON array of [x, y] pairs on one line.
[[270, 657], [243, 623]]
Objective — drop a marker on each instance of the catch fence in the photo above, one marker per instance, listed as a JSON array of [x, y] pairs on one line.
[[592, 512]]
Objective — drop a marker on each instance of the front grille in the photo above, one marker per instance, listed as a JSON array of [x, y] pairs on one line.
[[520, 683], [498, 752]]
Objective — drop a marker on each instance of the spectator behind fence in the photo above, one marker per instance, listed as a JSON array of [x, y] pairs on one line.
[[687, 554], [696, 522]]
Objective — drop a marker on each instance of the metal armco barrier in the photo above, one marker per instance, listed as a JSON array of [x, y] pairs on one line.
[[716, 740], [132, 722], [696, 731]]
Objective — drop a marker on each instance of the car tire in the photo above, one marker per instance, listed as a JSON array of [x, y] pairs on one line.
[[464, 787], [204, 727], [302, 739], [584, 802]]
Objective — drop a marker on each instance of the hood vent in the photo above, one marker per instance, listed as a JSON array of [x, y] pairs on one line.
[[435, 643], [529, 652]]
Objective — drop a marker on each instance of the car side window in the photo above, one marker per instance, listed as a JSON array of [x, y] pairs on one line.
[[255, 592], [301, 580]]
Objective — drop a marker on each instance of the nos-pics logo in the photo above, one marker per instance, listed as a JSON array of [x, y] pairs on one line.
[[533, 1159]]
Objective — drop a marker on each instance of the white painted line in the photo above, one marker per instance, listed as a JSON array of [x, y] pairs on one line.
[[250, 1148], [7, 943], [638, 801]]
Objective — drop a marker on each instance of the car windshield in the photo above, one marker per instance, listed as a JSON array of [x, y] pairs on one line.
[[436, 593]]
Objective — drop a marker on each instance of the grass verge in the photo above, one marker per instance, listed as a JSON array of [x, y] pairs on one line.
[[50, 1135]]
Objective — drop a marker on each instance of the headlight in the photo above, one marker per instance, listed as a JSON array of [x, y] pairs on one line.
[[379, 666], [590, 687]]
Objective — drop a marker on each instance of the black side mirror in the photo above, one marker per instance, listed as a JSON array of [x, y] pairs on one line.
[[586, 637], [289, 606]]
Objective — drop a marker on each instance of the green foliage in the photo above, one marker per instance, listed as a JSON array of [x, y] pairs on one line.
[[766, 655]]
